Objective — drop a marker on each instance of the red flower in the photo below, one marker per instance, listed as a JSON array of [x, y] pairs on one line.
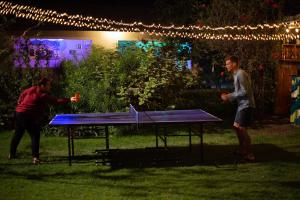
[[200, 23], [269, 2], [276, 55], [244, 18], [275, 6], [261, 67], [203, 5]]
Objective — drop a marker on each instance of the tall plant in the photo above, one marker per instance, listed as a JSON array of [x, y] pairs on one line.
[[16, 73], [253, 54], [96, 80], [152, 81], [8, 79]]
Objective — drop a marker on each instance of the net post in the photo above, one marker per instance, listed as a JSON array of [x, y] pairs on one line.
[[135, 113]]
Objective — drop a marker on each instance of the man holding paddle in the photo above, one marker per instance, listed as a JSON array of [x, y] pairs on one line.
[[243, 94], [29, 111]]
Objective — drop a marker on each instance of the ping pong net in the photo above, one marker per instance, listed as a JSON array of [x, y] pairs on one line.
[[134, 113], [140, 117]]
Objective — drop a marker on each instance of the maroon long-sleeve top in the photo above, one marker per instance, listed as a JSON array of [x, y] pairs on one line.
[[34, 101]]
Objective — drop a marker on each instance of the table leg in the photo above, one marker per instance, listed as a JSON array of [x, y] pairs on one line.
[[106, 137], [165, 137], [156, 136], [201, 143], [69, 145], [72, 143], [190, 138]]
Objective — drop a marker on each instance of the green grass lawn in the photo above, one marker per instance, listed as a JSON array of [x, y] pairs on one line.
[[275, 175]]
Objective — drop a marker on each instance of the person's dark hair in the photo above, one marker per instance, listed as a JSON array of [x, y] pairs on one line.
[[43, 81], [234, 59]]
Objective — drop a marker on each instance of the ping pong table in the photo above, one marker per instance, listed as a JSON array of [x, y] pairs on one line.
[[134, 117]]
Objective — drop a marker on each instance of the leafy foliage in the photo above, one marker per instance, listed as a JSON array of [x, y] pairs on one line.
[[110, 81], [8, 81], [254, 55], [96, 80], [13, 78], [152, 82]]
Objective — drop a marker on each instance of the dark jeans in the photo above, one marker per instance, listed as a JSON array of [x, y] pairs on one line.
[[25, 122]]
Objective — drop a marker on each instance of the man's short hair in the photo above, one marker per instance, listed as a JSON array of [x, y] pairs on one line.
[[234, 59], [43, 81]]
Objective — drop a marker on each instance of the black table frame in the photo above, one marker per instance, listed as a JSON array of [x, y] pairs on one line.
[[163, 137]]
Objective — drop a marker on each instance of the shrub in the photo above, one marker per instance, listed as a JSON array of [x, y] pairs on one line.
[[152, 82], [96, 80]]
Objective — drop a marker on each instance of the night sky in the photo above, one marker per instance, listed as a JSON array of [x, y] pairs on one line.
[[125, 10], [291, 7], [119, 10]]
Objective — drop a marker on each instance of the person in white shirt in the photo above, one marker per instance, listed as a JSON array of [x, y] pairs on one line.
[[243, 94]]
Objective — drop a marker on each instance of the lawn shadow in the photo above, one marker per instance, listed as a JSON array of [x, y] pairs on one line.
[[173, 156], [183, 156], [263, 153]]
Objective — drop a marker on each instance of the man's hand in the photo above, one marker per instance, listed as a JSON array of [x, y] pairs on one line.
[[75, 98], [224, 96]]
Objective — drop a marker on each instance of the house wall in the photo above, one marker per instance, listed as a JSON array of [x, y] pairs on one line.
[[107, 39], [50, 48], [75, 45]]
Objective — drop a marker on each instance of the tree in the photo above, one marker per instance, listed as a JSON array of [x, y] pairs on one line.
[[8, 87], [219, 13]]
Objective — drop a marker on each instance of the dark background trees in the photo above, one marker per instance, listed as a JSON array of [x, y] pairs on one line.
[[135, 76], [257, 57]]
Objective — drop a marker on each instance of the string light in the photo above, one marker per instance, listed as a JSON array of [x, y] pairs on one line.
[[277, 31]]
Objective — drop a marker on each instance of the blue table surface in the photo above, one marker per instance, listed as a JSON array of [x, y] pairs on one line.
[[146, 117]]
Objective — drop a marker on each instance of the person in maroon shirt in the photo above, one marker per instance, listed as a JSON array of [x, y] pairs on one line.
[[31, 105]]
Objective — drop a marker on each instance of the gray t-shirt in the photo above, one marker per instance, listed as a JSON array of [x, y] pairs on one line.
[[243, 92]]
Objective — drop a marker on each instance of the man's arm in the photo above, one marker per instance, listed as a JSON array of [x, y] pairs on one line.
[[55, 101], [242, 84], [58, 101]]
